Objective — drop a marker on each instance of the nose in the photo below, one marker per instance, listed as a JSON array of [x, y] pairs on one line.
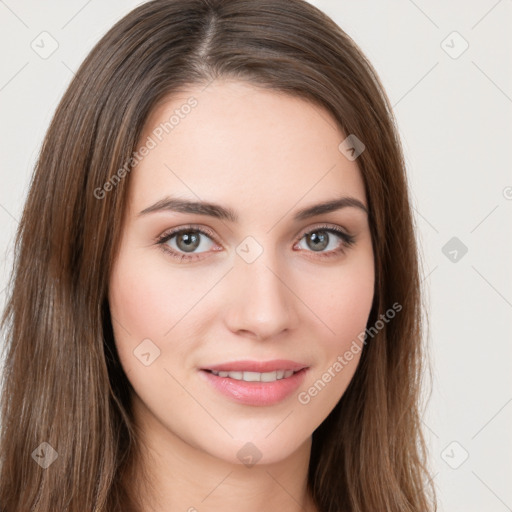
[[262, 303]]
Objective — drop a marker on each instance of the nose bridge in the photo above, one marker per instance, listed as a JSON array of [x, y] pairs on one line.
[[261, 301]]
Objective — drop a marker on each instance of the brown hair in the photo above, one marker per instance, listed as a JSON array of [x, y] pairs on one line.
[[62, 380]]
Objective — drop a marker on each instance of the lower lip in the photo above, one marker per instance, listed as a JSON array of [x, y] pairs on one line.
[[256, 393]]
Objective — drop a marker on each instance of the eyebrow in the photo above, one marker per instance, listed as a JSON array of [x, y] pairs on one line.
[[220, 212]]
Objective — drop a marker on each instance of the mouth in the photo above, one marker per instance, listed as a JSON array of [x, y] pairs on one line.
[[255, 376], [256, 383]]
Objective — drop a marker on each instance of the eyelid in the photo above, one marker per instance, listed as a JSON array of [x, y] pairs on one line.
[[187, 227], [326, 226]]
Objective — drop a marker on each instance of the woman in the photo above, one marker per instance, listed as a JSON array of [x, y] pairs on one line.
[[215, 303]]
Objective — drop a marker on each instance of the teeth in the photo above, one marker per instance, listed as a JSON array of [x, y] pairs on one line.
[[256, 376]]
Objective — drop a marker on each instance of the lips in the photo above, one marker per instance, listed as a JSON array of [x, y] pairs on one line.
[[257, 383], [255, 376], [257, 366]]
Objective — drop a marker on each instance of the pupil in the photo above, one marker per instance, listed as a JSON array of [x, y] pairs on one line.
[[321, 240], [190, 239]]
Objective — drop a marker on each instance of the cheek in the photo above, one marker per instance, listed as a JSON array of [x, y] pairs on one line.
[[140, 297], [149, 302], [344, 301], [138, 310], [149, 298], [344, 313], [352, 307], [135, 304]]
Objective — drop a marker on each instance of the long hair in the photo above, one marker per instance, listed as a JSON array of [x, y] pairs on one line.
[[65, 398]]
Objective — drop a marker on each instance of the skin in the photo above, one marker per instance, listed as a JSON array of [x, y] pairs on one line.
[[265, 155]]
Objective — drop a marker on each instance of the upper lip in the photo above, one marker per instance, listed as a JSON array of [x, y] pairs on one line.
[[257, 366]]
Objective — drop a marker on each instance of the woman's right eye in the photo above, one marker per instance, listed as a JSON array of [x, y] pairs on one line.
[[183, 242]]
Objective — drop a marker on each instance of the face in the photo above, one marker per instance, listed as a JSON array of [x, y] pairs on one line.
[[258, 285]]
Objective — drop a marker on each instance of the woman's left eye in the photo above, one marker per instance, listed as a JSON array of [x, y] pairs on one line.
[[320, 239], [182, 243]]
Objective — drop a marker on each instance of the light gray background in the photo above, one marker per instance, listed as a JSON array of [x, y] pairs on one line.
[[454, 115]]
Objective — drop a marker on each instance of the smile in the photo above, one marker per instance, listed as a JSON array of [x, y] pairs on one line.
[[255, 388], [256, 376]]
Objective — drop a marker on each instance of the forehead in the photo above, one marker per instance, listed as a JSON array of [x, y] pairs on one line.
[[244, 146]]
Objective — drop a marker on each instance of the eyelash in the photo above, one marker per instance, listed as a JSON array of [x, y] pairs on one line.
[[347, 241]]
